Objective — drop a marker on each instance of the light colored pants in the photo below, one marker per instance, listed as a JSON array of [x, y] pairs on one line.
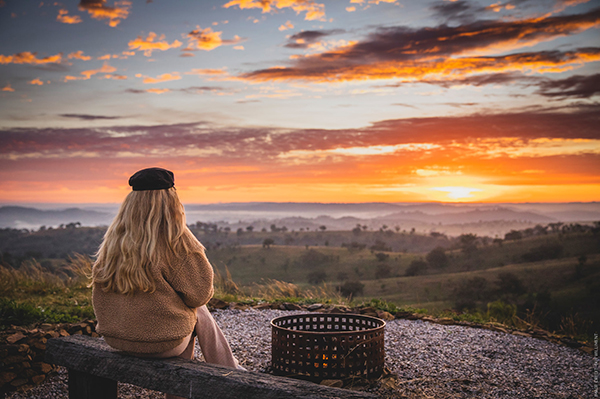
[[213, 344]]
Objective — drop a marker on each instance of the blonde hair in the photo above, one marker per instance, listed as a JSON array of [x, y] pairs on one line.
[[149, 228]]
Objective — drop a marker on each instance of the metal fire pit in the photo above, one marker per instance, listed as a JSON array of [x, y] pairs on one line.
[[327, 346]]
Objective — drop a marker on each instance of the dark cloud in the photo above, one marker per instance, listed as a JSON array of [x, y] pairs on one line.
[[86, 117], [405, 52], [460, 10], [305, 38], [222, 144], [577, 86], [477, 80], [460, 105], [190, 90]]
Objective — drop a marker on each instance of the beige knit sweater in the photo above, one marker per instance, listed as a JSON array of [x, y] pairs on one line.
[[159, 321]]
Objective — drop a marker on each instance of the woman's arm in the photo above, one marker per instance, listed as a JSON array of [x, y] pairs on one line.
[[192, 279]]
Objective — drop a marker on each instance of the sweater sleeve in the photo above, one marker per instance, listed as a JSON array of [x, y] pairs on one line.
[[192, 279]]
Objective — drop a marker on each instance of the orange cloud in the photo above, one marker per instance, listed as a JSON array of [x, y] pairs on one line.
[[207, 72], [207, 39], [286, 26], [411, 54], [79, 55], [314, 11], [67, 19], [106, 69], [36, 81], [99, 10], [8, 88], [158, 91], [148, 45], [27, 57], [165, 77]]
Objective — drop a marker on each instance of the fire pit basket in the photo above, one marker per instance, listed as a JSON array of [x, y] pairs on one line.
[[327, 346]]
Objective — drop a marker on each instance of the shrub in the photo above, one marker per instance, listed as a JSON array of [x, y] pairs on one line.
[[351, 289], [468, 293], [437, 258], [382, 256], [551, 250], [312, 258], [380, 246], [317, 277], [416, 267], [502, 312]]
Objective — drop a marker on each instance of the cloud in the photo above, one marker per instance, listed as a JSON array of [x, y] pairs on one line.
[[27, 57], [189, 90], [106, 69], [8, 88], [36, 81], [87, 117], [79, 55], [306, 38], [443, 51], [286, 26], [208, 72], [64, 17], [99, 10], [314, 11], [577, 86], [165, 77], [206, 39], [148, 45]]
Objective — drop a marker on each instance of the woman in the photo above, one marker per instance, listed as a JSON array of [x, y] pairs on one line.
[[151, 280]]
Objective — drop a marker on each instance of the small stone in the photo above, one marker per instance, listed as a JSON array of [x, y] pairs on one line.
[[218, 303], [292, 306], [38, 379], [385, 315], [18, 382], [11, 339]]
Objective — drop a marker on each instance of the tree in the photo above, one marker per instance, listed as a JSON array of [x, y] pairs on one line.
[[250, 228], [267, 242], [416, 267], [437, 258], [468, 243], [323, 228]]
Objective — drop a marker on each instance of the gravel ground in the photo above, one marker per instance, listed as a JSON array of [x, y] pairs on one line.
[[430, 360]]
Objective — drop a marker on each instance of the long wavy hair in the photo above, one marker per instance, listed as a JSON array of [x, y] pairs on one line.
[[149, 228]]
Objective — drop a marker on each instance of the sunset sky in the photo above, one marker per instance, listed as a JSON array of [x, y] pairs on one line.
[[300, 100]]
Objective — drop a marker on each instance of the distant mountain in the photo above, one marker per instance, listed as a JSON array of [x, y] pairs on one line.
[[30, 218], [474, 216]]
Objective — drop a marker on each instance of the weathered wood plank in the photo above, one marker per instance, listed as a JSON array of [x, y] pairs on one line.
[[181, 377]]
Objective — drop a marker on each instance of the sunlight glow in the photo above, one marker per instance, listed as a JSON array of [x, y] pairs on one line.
[[458, 192]]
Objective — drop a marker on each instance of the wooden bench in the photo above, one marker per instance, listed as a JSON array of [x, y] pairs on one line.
[[94, 369]]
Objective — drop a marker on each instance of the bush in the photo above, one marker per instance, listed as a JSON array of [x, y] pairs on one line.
[[317, 277], [551, 250], [469, 293], [380, 246], [351, 289], [416, 267], [312, 258], [502, 312], [509, 285], [437, 258], [382, 256]]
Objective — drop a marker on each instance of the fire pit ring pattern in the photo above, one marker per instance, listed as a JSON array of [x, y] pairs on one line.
[[321, 346]]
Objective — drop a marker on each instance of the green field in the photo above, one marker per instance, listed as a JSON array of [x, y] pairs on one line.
[[550, 279]]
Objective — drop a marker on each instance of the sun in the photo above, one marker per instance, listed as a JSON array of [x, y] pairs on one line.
[[457, 192]]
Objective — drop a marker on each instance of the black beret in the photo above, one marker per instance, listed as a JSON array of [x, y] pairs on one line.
[[152, 179]]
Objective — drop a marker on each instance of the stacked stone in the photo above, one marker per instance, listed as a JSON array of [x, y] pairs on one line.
[[22, 352]]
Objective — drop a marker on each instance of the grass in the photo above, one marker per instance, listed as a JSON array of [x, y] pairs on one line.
[[252, 274]]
